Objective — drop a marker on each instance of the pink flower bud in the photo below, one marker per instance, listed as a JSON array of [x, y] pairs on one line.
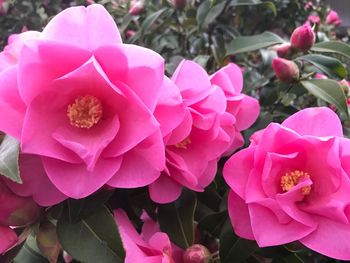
[[136, 7], [179, 4], [303, 38], [197, 254], [285, 70], [284, 50], [333, 18], [130, 33]]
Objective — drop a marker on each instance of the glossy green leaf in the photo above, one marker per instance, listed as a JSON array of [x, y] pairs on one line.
[[81, 208], [331, 66], [148, 22], [9, 152], [207, 14], [93, 239], [177, 219], [337, 47], [268, 5], [233, 248], [252, 43], [329, 91], [30, 253], [213, 223]]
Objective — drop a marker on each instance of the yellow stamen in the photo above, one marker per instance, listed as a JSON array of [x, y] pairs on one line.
[[184, 143], [85, 112], [289, 180]]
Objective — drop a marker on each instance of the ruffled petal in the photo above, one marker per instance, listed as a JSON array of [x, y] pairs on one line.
[[229, 78], [164, 190], [320, 121], [75, 181], [8, 238], [89, 27]]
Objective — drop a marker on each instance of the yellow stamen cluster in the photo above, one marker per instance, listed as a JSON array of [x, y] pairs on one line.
[[85, 112], [289, 180], [183, 144]]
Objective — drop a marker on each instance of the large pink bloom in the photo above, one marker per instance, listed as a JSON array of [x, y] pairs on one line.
[[151, 246], [216, 113], [292, 183], [14, 211], [84, 103]]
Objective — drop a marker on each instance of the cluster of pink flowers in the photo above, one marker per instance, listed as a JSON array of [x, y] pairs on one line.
[[292, 184], [91, 112]]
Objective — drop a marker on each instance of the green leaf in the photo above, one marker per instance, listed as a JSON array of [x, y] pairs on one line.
[[81, 208], [233, 248], [329, 91], [207, 14], [213, 222], [252, 43], [293, 258], [331, 66], [9, 152], [148, 22], [176, 219], [93, 239], [337, 47], [30, 253], [268, 5]]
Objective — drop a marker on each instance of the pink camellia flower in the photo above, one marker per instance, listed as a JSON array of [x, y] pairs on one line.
[[216, 113], [315, 19], [14, 211], [292, 183], [286, 70], [303, 38], [333, 18], [151, 245], [89, 119]]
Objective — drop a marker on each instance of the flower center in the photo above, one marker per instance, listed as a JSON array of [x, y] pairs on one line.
[[184, 143], [85, 112], [289, 180]]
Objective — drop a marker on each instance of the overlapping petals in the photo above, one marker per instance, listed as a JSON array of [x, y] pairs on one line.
[[292, 181]]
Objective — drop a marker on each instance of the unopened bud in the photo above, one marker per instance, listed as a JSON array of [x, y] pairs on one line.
[[284, 50], [286, 70], [179, 4], [344, 85], [303, 38], [197, 254], [333, 18], [136, 7]]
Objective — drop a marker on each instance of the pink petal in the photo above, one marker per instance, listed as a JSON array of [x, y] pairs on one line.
[[35, 182], [320, 121], [330, 239], [268, 231], [88, 28], [182, 130], [140, 167], [164, 190], [12, 108], [75, 181], [39, 66], [247, 113], [192, 80], [143, 73], [169, 104], [229, 78], [237, 170], [239, 216], [8, 238]]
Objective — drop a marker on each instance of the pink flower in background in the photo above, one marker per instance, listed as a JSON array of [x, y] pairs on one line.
[[315, 19], [216, 113], [14, 211], [151, 245], [136, 7], [333, 18], [292, 183], [88, 119]]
